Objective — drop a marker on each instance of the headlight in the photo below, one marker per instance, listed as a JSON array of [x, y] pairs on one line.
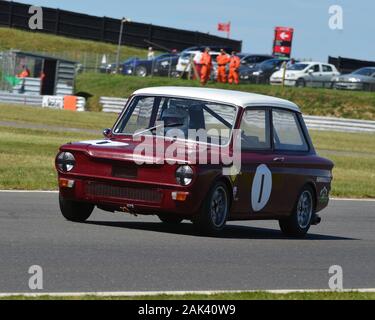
[[184, 175], [354, 80], [257, 73], [65, 161]]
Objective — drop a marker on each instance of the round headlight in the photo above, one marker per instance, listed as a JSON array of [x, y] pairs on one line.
[[184, 175], [65, 161]]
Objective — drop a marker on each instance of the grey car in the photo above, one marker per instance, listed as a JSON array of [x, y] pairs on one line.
[[361, 79]]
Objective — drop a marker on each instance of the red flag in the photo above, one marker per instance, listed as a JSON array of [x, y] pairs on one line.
[[223, 27]]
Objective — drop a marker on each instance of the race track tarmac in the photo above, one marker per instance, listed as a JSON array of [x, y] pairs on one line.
[[118, 252]]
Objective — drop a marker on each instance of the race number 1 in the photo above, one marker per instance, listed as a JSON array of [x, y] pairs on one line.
[[261, 189]]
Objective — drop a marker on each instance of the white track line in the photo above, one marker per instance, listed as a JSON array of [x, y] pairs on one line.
[[177, 293]]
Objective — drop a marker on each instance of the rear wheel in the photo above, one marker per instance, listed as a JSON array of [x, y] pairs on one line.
[[215, 209], [75, 211], [170, 219], [298, 224]]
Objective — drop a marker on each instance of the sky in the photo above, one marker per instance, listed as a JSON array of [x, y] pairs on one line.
[[252, 21]]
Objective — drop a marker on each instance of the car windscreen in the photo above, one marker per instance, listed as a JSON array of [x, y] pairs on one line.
[[298, 66], [365, 72], [150, 114]]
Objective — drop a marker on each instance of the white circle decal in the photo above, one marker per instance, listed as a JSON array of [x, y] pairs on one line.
[[261, 189]]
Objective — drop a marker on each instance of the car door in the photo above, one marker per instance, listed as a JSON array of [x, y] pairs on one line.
[[314, 76], [327, 74], [292, 144], [260, 182]]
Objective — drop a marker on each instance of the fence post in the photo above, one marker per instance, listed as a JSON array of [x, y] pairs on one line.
[[10, 19], [57, 24]]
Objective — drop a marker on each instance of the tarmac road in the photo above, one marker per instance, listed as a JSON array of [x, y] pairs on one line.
[[117, 252]]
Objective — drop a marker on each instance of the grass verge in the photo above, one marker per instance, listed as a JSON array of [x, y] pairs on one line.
[[27, 155], [313, 101], [219, 296]]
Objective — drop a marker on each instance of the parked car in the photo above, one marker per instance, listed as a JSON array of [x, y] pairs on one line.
[[184, 65], [260, 73], [302, 74], [279, 175], [250, 60], [111, 67], [166, 66], [361, 79], [144, 67]]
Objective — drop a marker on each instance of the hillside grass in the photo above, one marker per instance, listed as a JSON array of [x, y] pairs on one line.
[[313, 101], [69, 48]]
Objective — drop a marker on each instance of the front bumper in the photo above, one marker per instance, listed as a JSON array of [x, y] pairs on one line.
[[131, 196]]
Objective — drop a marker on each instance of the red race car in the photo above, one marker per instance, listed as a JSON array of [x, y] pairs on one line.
[[205, 155]]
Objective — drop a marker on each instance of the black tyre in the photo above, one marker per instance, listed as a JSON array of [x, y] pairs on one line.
[[301, 83], [141, 71], [215, 210], [75, 211], [170, 219], [299, 222]]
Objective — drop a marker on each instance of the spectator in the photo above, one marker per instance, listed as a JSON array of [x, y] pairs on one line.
[[206, 62], [150, 54], [25, 73]]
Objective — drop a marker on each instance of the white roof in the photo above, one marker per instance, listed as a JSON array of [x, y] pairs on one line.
[[238, 98]]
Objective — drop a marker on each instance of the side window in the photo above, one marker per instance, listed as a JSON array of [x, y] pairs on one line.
[[287, 132], [255, 130], [327, 68], [315, 68]]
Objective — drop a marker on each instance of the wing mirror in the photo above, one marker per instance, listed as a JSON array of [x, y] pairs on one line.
[[310, 71], [107, 132]]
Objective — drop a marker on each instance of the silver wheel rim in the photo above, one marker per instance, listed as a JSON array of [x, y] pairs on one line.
[[219, 207], [304, 209], [141, 72]]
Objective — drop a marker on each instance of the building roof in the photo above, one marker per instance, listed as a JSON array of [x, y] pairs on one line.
[[239, 98]]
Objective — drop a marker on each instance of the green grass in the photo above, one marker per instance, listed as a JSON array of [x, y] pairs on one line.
[[27, 155], [74, 49], [61, 118], [313, 101], [220, 296]]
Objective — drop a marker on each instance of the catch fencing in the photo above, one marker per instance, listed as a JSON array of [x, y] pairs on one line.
[[116, 105]]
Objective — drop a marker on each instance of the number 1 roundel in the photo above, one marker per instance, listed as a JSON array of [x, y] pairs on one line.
[[261, 189]]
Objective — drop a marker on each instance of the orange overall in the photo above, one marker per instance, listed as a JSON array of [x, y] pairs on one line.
[[234, 64], [222, 60], [206, 62]]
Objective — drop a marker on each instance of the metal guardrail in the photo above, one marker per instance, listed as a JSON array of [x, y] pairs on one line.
[[313, 122], [36, 100], [339, 124]]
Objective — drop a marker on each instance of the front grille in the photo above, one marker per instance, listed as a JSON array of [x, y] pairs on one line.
[[126, 193]]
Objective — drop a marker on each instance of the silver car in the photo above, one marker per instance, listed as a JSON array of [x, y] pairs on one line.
[[361, 79]]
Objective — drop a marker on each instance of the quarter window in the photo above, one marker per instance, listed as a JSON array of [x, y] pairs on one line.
[[327, 68], [287, 132], [255, 130]]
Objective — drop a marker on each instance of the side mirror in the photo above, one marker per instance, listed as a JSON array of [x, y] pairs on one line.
[[310, 71], [107, 132]]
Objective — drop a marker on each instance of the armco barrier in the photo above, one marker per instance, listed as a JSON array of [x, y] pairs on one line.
[[116, 105], [56, 102]]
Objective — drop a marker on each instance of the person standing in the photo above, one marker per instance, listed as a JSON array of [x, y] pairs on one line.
[[150, 54], [206, 64], [222, 61], [234, 65]]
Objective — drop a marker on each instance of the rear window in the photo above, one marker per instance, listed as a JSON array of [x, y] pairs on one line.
[[288, 134]]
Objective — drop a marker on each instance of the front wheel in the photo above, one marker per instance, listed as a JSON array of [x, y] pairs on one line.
[[75, 211], [215, 209], [298, 224]]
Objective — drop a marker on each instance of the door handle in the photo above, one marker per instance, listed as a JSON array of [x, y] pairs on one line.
[[279, 159]]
